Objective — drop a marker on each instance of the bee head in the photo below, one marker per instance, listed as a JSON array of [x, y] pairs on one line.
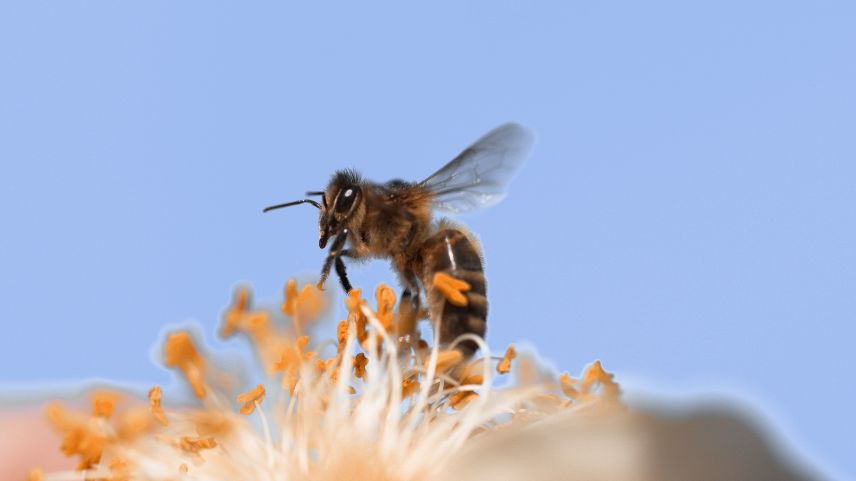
[[341, 206]]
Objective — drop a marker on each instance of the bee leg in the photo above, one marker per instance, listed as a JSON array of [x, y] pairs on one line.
[[341, 272], [408, 313], [338, 243], [407, 299], [405, 243], [411, 297]]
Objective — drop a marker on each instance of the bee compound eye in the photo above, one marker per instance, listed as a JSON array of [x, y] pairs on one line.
[[346, 200]]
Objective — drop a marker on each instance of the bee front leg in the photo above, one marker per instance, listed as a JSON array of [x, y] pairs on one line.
[[341, 272], [332, 255]]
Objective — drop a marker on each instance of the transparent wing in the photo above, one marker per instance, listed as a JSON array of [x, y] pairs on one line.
[[478, 176]]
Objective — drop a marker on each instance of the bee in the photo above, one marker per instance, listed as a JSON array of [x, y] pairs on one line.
[[394, 221]]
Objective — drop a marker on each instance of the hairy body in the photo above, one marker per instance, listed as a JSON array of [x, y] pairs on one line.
[[394, 221]]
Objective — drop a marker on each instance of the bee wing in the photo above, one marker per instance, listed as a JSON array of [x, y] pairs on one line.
[[478, 176]]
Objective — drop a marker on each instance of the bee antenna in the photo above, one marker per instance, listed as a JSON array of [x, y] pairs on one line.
[[289, 204], [322, 194]]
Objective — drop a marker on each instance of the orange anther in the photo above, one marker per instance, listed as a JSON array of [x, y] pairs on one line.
[[360, 361], [446, 360], [251, 399], [504, 365], [155, 395], [181, 353]]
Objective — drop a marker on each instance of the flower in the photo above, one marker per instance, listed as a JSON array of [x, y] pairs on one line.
[[383, 405]]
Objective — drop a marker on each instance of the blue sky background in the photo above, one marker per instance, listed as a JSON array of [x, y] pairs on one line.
[[687, 217]]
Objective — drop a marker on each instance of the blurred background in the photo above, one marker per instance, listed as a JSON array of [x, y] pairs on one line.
[[687, 216]]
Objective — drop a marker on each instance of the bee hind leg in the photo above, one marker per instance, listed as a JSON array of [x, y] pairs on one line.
[[409, 309], [410, 301]]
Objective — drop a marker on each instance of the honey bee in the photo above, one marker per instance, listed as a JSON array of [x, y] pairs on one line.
[[394, 221]]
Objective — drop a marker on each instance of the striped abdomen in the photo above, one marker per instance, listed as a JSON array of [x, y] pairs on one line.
[[453, 253]]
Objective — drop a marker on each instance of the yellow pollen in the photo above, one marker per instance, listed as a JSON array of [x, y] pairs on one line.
[[310, 303], [342, 334], [320, 366], [196, 444], [385, 298], [289, 307], [61, 419], [211, 422], [331, 368], [87, 444], [452, 289], [582, 391], [304, 305], [360, 361], [81, 438], [291, 358], [236, 312], [354, 301], [257, 325], [103, 404], [567, 384], [362, 329], [504, 365], [155, 395], [251, 399], [446, 360], [289, 382], [461, 398], [133, 422], [181, 353], [409, 386]]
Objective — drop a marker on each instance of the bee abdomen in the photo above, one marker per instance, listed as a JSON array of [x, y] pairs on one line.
[[452, 252]]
